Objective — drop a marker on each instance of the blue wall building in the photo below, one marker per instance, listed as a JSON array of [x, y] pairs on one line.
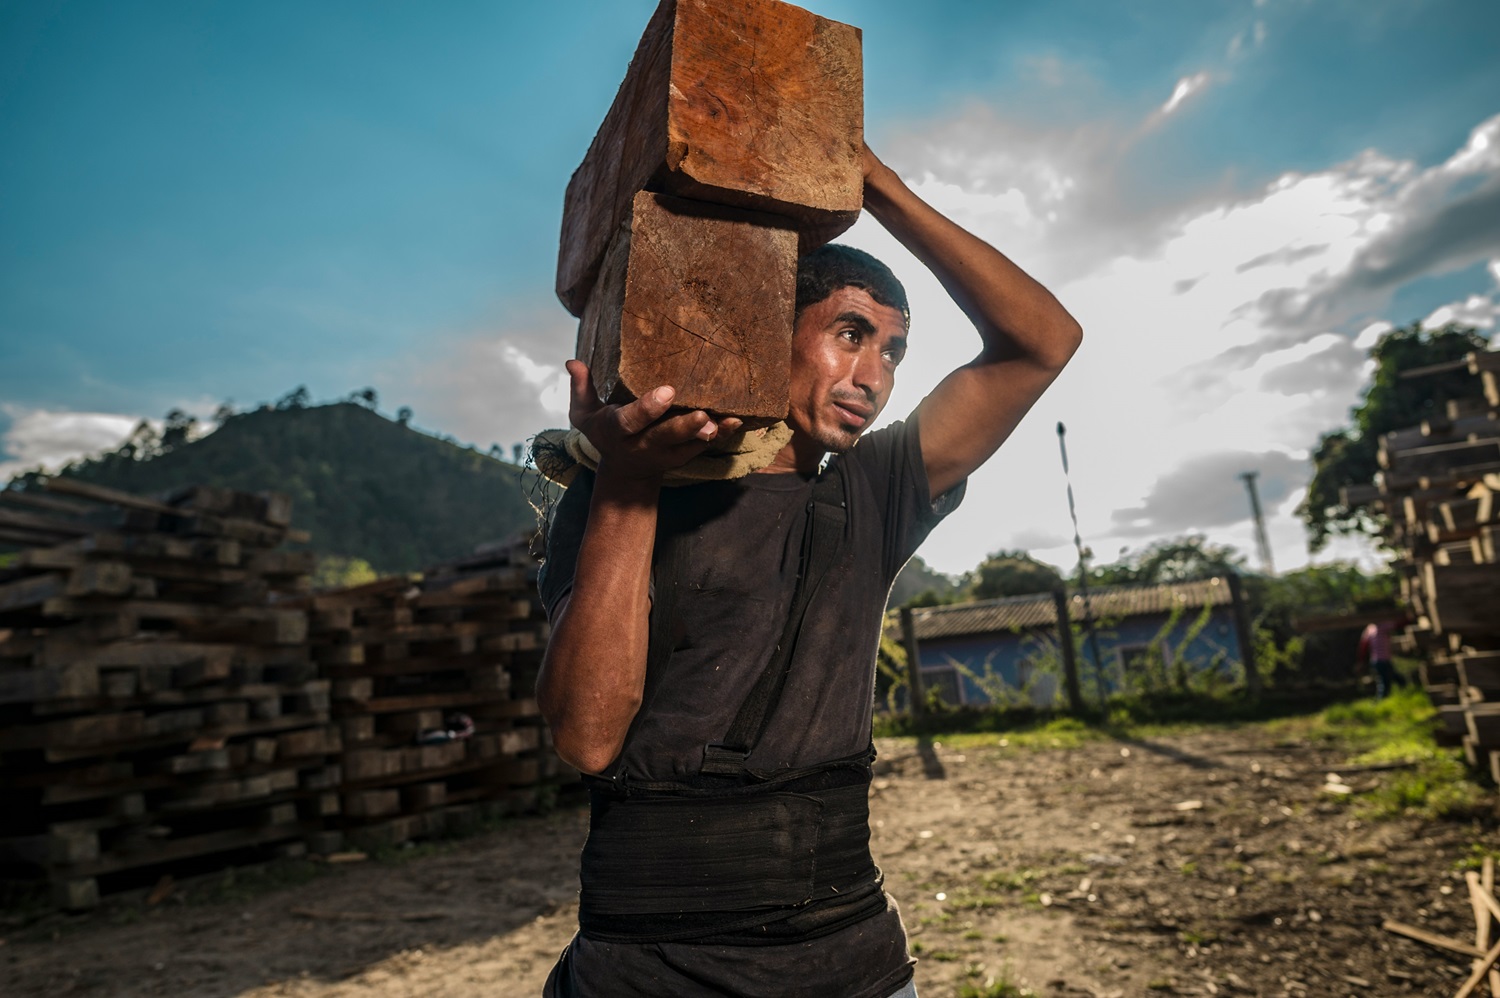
[[1006, 651]]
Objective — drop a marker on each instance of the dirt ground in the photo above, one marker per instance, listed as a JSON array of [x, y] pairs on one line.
[[1211, 863]]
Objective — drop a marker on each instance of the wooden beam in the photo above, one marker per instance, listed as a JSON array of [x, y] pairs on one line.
[[699, 297], [84, 490], [916, 695], [752, 103], [1244, 635], [1432, 938]]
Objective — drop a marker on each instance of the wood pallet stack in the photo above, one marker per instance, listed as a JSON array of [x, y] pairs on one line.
[[159, 711], [432, 684], [1440, 488]]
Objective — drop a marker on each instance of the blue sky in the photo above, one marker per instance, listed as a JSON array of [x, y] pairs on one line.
[[217, 201]]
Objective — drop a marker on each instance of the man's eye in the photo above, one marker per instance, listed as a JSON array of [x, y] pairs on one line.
[[850, 334]]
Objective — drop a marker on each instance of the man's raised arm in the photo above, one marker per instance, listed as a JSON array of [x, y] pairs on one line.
[[1026, 335], [594, 670]]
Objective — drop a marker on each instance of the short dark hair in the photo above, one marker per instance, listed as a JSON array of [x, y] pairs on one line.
[[833, 266]]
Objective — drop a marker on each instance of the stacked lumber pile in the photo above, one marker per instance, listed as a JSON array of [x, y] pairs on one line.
[[432, 684], [1440, 488], [734, 143], [158, 707]]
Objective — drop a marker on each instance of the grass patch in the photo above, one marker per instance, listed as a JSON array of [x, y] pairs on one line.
[[1437, 788], [1002, 988], [1475, 857], [1028, 727], [1398, 729]]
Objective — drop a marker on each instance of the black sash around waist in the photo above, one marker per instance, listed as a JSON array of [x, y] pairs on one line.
[[683, 861]]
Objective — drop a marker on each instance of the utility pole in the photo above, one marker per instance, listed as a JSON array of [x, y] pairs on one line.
[[1083, 569], [1262, 543]]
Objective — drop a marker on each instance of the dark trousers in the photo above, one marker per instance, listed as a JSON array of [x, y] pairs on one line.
[[1386, 677]]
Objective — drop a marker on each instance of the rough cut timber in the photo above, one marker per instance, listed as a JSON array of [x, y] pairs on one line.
[[751, 103], [698, 297]]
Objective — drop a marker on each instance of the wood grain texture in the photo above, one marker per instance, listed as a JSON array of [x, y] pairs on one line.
[[699, 297], [752, 103]]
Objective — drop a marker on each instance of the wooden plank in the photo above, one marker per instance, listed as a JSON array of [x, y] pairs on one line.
[[1461, 597], [698, 297], [32, 592], [1440, 458], [1481, 669], [1483, 723], [427, 701], [751, 103], [1482, 965], [441, 592], [177, 610], [1431, 938], [41, 525], [31, 538], [31, 685], [100, 578], [1479, 424], [1359, 495], [1456, 553], [1315, 622], [51, 504], [98, 493], [185, 848], [1484, 547]]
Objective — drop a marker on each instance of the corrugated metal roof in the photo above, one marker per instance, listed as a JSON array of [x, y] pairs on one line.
[[1019, 613]]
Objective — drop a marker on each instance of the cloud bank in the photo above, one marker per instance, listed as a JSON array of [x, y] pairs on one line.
[[1223, 331], [50, 438]]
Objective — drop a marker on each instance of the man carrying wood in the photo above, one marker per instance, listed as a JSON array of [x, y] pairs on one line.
[[711, 663]]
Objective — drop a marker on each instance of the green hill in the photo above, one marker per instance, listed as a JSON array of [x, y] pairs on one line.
[[364, 486]]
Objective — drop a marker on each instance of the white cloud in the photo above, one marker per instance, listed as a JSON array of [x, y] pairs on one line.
[[1186, 87], [493, 387], [1479, 311], [1215, 325], [50, 438], [1371, 334]]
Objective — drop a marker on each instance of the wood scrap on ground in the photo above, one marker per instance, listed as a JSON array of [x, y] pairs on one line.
[[1484, 953]]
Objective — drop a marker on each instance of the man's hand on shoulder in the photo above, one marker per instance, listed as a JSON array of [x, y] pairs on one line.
[[639, 440]]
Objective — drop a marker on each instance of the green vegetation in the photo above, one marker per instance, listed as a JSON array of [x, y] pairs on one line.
[[1399, 730], [1027, 726], [376, 495], [1424, 779], [1002, 988], [1474, 859], [337, 572]]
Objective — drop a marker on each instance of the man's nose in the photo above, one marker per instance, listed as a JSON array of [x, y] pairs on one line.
[[869, 374]]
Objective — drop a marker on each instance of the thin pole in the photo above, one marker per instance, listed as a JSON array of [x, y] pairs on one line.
[[1261, 541], [1083, 568]]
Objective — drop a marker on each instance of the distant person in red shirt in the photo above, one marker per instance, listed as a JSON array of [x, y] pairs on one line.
[[1375, 651]]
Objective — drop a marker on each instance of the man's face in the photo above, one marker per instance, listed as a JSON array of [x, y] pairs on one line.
[[845, 349]]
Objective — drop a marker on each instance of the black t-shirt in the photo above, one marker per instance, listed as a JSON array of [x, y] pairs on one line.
[[736, 579]]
